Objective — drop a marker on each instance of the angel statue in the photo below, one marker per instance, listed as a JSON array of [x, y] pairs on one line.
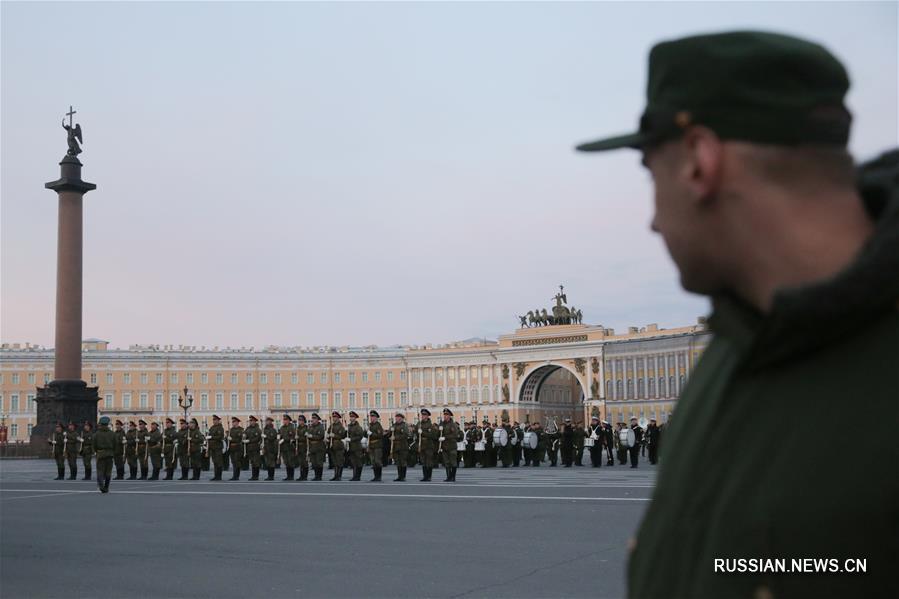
[[74, 137]]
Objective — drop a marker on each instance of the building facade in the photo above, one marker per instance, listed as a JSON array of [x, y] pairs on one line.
[[535, 373]]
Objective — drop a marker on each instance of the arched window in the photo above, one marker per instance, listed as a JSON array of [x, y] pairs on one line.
[[630, 388], [619, 389], [671, 385], [640, 390], [662, 386], [474, 395], [440, 395], [463, 395], [682, 381], [416, 396], [428, 396], [608, 389]]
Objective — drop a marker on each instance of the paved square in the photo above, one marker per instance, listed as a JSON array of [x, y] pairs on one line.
[[517, 532]]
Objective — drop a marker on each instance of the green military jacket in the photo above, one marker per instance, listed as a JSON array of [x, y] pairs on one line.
[[86, 442], [316, 436], [143, 436], [182, 441], [104, 442], [195, 439], [451, 435], [428, 433], [375, 435], [131, 442], [337, 432], [253, 436], [120, 441], [154, 442], [57, 440], [216, 437], [355, 434], [399, 437], [169, 436], [235, 436], [287, 437], [302, 441], [70, 442], [752, 465], [270, 440]]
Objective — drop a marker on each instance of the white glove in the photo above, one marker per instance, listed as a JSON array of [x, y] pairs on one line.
[[442, 439], [308, 435], [368, 434], [280, 441], [419, 431], [245, 441], [208, 436]]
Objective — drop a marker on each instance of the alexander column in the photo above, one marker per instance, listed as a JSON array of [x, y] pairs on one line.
[[67, 398]]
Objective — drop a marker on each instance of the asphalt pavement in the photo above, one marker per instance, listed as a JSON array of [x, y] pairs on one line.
[[516, 532]]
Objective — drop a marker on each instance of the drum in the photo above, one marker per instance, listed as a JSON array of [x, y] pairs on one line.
[[513, 439], [530, 440], [500, 437], [364, 442], [626, 437], [460, 445], [480, 446], [589, 441]]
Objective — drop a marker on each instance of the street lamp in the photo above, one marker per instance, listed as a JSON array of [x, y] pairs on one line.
[[185, 401]]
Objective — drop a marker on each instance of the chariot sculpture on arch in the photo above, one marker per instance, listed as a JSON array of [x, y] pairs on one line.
[[561, 313]]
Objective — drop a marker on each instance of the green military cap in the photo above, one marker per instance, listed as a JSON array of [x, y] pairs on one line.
[[233, 419], [119, 422], [447, 412], [354, 414], [751, 86], [425, 412], [169, 420], [316, 416], [287, 417], [215, 417], [131, 424], [269, 419], [374, 413], [335, 413], [253, 418], [301, 418], [154, 423], [399, 415], [104, 420], [142, 421]]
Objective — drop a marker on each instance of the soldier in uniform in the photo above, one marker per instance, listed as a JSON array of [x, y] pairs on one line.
[[487, 437], [169, 441], [609, 442], [428, 434], [449, 436], [70, 447], [506, 452], [336, 434], [399, 441], [302, 454], [215, 446], [131, 450], [653, 436], [638, 441], [315, 437], [539, 452], [104, 444], [270, 447], [252, 439], [552, 447], [516, 447], [235, 447], [143, 435], [57, 443], [287, 438], [566, 443], [195, 442], [183, 453], [580, 433], [375, 445], [120, 445], [86, 444], [355, 434], [472, 436], [596, 433], [154, 449]]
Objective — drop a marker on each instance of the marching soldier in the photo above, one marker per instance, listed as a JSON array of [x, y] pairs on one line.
[[622, 450], [552, 447], [131, 450], [119, 453], [86, 449], [506, 452], [169, 441], [287, 437], [57, 443], [183, 453], [487, 437], [235, 447], [472, 436], [355, 434], [539, 452], [154, 448], [428, 434], [609, 443], [449, 436], [302, 455], [252, 440], [638, 440], [375, 445], [566, 443], [270, 447], [70, 447], [579, 435], [143, 435], [399, 441], [653, 436], [104, 443], [195, 439], [315, 436], [598, 436], [336, 434], [516, 447], [215, 446], [527, 451]]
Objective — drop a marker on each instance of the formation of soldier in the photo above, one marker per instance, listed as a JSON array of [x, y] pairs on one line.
[[149, 452]]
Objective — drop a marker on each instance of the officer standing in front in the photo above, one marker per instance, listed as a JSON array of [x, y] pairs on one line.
[[302, 454], [336, 435], [70, 444], [270, 447], [154, 449], [399, 442], [252, 440], [449, 436], [183, 453], [86, 449], [57, 443], [104, 443], [428, 435]]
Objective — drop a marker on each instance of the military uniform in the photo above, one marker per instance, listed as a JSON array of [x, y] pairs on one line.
[[638, 441], [653, 438], [518, 435], [287, 439], [215, 447], [506, 452], [270, 448], [375, 445], [336, 434], [86, 443], [195, 441], [429, 434], [579, 435], [70, 447], [399, 441], [355, 434], [539, 453], [472, 436], [131, 450], [302, 454], [253, 441], [121, 444], [169, 441], [598, 436], [104, 442], [449, 436], [315, 437], [142, 453], [552, 447], [236, 448], [154, 447], [566, 443], [609, 443], [183, 453], [57, 443]]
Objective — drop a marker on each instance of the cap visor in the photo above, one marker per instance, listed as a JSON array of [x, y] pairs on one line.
[[632, 140]]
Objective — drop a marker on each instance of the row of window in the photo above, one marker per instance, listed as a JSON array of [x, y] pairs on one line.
[[217, 401], [13, 432], [644, 390], [190, 378], [675, 361]]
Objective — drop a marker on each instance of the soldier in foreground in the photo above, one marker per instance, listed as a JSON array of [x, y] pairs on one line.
[[86, 449], [131, 450], [252, 440], [287, 438], [195, 442], [302, 454], [236, 447], [336, 435], [169, 441], [449, 436], [399, 442], [375, 444], [315, 437], [355, 434], [183, 448], [154, 447], [141, 453], [215, 446], [104, 443], [745, 136], [70, 448]]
